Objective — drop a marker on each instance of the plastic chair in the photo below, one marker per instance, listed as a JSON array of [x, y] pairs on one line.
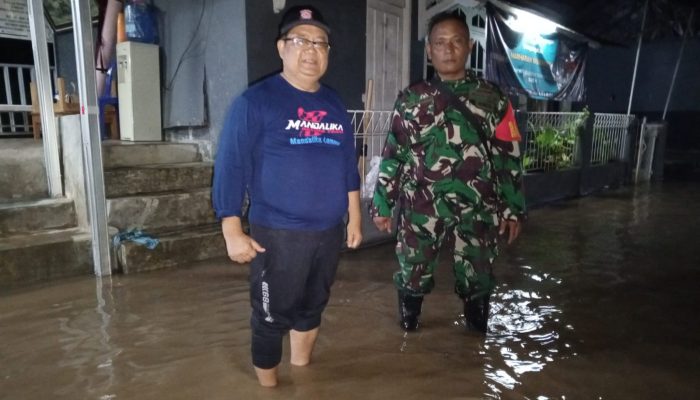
[[106, 99]]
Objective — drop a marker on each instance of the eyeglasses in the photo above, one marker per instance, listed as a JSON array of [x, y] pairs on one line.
[[300, 42]]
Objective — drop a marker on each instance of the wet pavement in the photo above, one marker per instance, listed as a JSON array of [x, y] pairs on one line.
[[597, 300]]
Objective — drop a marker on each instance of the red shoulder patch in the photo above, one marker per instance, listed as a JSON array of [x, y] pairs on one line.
[[507, 129]]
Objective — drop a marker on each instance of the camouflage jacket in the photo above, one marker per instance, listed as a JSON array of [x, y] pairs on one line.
[[435, 163]]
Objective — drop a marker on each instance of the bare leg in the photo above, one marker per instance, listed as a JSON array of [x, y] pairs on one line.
[[108, 43], [267, 377], [302, 344]]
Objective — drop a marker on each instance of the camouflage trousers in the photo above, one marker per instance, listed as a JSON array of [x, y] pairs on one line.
[[471, 238]]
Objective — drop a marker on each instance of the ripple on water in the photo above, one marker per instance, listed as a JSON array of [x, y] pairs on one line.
[[524, 333]]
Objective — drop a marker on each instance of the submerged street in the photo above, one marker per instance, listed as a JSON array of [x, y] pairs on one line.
[[597, 300]]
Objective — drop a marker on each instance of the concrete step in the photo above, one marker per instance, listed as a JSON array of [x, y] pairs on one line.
[[41, 257], [22, 172], [117, 153], [156, 178], [161, 212], [38, 215], [174, 249]]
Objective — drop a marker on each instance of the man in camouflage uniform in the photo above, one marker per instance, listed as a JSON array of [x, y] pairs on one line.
[[455, 174]]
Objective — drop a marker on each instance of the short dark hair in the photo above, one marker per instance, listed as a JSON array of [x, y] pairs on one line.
[[447, 16]]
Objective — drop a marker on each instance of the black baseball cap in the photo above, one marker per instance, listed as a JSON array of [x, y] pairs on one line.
[[302, 15]]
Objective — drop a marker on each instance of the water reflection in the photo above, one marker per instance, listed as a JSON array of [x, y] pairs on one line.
[[523, 334], [104, 309], [86, 342]]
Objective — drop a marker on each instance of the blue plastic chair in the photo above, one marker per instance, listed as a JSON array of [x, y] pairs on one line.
[[106, 99]]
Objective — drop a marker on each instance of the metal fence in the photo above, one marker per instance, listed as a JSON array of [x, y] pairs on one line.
[[551, 140], [370, 129], [611, 135]]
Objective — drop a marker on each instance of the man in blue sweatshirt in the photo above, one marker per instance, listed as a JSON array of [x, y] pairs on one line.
[[288, 143]]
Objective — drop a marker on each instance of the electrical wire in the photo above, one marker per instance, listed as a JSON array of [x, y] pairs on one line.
[[187, 49]]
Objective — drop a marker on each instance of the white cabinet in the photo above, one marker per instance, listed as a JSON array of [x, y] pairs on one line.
[[139, 91]]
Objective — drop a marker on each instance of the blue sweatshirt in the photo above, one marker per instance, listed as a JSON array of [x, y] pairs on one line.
[[292, 151]]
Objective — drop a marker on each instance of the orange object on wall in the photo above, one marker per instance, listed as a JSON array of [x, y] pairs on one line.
[[121, 28]]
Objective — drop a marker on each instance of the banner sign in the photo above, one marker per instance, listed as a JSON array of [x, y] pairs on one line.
[[14, 21], [526, 59]]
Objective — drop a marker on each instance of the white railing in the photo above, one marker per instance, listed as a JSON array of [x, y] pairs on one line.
[[610, 137], [370, 129], [15, 99], [551, 140]]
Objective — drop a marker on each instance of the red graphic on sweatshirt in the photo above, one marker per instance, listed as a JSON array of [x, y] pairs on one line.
[[311, 116]]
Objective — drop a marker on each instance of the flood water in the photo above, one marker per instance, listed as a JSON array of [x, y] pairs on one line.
[[597, 300]]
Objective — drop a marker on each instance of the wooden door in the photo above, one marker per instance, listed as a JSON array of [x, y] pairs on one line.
[[387, 50]]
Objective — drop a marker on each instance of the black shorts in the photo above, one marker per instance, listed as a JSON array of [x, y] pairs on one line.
[[289, 285]]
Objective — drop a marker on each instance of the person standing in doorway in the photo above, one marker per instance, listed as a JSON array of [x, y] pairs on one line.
[[288, 144], [451, 164]]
